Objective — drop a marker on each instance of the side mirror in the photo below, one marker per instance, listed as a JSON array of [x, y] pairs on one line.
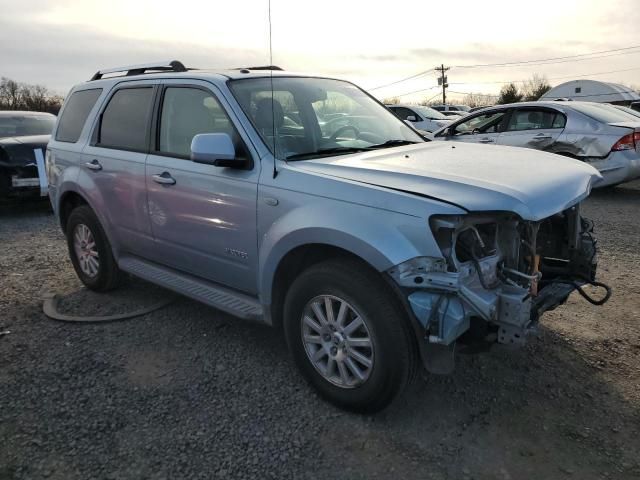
[[214, 149], [445, 133], [412, 118]]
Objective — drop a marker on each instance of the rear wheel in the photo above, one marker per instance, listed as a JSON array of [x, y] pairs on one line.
[[90, 251], [348, 336]]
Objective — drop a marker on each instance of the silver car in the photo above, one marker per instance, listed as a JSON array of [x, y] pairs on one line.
[[370, 248], [598, 134], [421, 117]]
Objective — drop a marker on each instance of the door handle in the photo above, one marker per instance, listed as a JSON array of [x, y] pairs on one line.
[[164, 178], [93, 165], [486, 140], [542, 136]]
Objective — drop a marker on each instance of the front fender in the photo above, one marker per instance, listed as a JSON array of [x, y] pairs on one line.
[[379, 237]]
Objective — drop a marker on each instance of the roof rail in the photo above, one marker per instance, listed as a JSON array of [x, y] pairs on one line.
[[262, 67], [169, 66]]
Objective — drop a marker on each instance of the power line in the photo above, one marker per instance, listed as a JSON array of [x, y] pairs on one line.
[[526, 62], [402, 80], [552, 78], [549, 61], [418, 91]]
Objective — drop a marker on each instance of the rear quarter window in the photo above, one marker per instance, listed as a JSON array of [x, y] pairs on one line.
[[75, 113], [603, 113]]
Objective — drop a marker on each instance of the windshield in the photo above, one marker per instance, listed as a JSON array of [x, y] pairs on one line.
[[430, 113], [311, 117], [23, 125], [603, 113]]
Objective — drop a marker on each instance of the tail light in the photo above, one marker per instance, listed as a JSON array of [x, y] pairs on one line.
[[628, 142]]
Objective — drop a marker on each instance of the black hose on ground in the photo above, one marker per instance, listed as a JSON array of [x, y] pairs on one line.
[[578, 286], [50, 309]]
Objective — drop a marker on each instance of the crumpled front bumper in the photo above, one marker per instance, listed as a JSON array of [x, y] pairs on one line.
[[29, 179]]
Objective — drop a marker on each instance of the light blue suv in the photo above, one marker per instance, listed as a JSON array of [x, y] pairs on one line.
[[304, 203]]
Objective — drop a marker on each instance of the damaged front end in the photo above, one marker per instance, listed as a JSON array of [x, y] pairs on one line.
[[22, 166], [497, 275]]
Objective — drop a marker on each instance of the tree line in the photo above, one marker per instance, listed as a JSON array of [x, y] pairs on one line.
[[24, 96]]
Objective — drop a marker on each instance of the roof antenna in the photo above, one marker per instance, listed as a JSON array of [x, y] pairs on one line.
[[273, 114]]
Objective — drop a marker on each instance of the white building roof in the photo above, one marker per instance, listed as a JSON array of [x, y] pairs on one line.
[[592, 91]]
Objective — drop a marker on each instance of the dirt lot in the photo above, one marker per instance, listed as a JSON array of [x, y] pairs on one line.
[[188, 392]]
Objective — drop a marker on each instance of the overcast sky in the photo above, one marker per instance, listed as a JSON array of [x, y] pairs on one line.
[[61, 42]]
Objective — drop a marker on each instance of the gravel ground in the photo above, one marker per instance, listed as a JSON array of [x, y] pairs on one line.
[[189, 392]]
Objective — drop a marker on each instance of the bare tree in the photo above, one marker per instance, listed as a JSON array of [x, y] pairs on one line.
[[478, 100], [391, 101], [535, 87], [34, 97], [23, 96], [10, 97]]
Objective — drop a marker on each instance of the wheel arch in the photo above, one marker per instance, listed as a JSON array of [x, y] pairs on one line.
[[294, 262], [70, 198]]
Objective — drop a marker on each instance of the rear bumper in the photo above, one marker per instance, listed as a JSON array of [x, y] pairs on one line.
[[618, 167]]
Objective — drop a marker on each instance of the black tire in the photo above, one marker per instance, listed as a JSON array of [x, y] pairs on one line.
[[395, 356], [108, 274]]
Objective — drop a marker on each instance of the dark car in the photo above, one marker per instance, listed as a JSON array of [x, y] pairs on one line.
[[23, 141]]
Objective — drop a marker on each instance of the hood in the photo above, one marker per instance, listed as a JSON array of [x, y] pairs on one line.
[[19, 151], [533, 184], [35, 140]]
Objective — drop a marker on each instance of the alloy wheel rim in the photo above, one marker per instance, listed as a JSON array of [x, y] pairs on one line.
[[337, 341], [86, 250]]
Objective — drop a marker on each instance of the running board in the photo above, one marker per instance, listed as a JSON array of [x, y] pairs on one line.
[[234, 303]]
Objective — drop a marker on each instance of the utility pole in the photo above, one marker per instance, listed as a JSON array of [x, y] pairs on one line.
[[443, 81]]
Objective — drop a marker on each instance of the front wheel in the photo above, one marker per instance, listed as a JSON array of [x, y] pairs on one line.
[[348, 335]]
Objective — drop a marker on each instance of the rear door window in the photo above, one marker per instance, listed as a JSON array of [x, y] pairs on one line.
[[125, 121], [75, 113], [535, 119]]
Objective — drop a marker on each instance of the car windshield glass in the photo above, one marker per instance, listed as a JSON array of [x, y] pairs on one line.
[[431, 113], [313, 117], [23, 125], [604, 113]]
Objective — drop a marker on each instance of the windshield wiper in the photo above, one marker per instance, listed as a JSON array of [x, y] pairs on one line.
[[391, 143], [327, 151], [345, 150]]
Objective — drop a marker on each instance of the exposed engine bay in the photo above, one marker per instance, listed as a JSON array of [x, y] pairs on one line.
[[498, 274]]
